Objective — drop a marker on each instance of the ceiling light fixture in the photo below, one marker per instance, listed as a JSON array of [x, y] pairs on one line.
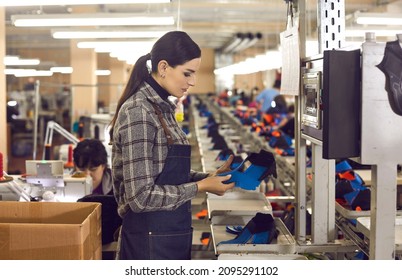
[[246, 40], [241, 42], [106, 34], [15, 61], [379, 32], [62, 70], [272, 59], [96, 19], [101, 72], [113, 44], [130, 58], [122, 50], [76, 2], [234, 43], [28, 73], [378, 18], [255, 38]]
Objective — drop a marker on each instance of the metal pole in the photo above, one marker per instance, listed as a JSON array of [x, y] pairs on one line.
[[35, 136]]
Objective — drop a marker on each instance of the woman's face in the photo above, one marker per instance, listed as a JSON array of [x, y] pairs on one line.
[[179, 79], [96, 174]]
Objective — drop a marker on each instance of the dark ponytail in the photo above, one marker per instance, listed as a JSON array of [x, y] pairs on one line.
[[176, 47], [138, 74]]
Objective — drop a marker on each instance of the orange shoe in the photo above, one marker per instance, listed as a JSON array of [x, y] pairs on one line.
[[202, 214]]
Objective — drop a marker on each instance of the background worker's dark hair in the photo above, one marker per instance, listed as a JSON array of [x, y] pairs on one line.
[[176, 47], [89, 153], [277, 84]]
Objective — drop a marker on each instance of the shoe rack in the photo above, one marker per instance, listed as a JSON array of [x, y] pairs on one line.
[[238, 207]]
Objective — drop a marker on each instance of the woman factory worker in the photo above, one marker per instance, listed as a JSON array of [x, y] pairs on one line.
[[152, 179], [90, 158]]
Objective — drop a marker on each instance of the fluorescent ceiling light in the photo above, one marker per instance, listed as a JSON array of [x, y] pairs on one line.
[[128, 51], [118, 47], [15, 60], [76, 2], [62, 70], [9, 71], [100, 72], [11, 58], [28, 73], [106, 34], [113, 44], [130, 58], [379, 32], [378, 18], [269, 60], [93, 19]]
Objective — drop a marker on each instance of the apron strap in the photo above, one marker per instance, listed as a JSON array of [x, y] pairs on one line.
[[162, 121]]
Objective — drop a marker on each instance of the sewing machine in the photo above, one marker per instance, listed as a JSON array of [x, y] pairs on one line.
[[46, 177], [49, 175]]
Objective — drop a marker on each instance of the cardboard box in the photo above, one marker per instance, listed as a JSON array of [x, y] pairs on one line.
[[50, 230]]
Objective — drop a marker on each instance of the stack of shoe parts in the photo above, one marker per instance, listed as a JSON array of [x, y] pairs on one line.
[[350, 187], [218, 141]]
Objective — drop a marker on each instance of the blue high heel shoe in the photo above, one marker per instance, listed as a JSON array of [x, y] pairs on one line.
[[259, 230], [234, 229], [262, 165]]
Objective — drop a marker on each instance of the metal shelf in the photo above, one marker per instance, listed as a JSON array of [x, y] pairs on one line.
[[237, 203]]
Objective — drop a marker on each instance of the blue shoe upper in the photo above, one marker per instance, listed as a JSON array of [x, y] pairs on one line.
[[262, 165]]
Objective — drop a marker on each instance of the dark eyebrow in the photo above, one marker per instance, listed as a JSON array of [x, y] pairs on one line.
[[190, 70]]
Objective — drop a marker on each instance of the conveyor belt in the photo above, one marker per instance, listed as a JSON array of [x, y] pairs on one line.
[[285, 167]]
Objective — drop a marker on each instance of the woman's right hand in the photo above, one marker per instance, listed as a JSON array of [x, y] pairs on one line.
[[215, 184], [225, 167]]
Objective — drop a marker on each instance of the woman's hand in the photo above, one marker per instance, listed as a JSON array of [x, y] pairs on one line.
[[225, 167], [215, 184]]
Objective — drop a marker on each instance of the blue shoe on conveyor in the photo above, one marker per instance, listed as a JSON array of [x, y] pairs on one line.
[[234, 229], [342, 166], [263, 164], [260, 229]]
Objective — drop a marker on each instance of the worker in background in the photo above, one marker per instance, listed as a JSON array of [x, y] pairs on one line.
[[30, 84], [266, 96], [90, 158], [223, 98]]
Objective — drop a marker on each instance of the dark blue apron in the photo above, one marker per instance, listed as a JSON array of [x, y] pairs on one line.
[[162, 235]]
